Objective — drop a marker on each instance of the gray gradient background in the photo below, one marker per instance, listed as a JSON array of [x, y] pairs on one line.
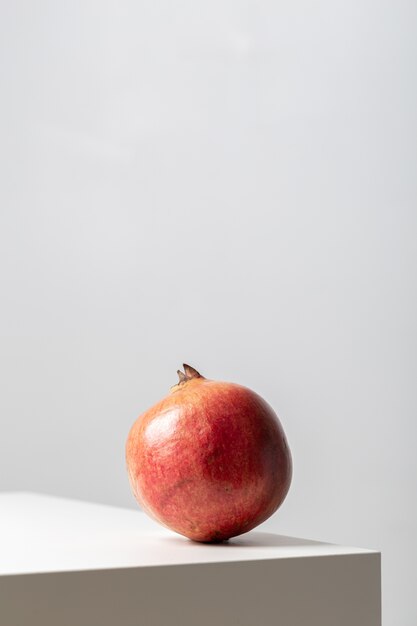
[[234, 185]]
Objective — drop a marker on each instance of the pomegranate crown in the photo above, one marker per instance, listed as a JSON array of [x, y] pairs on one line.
[[188, 374]]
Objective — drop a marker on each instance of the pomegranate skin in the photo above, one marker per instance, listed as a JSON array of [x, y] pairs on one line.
[[210, 461]]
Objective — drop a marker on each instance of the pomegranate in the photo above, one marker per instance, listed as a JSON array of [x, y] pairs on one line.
[[210, 461]]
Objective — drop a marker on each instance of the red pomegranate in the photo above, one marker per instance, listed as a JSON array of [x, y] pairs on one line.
[[210, 461]]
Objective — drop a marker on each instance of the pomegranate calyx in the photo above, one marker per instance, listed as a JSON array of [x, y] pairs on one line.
[[189, 374]]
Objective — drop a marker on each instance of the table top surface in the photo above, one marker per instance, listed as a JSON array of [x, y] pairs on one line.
[[40, 533]]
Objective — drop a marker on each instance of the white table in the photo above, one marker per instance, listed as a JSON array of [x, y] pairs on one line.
[[67, 562]]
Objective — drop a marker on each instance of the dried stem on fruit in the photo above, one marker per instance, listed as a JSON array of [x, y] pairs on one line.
[[189, 374]]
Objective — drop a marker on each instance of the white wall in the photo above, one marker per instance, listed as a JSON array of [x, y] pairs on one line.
[[234, 185]]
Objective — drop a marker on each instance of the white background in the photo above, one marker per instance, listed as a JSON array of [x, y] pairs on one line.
[[232, 184]]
